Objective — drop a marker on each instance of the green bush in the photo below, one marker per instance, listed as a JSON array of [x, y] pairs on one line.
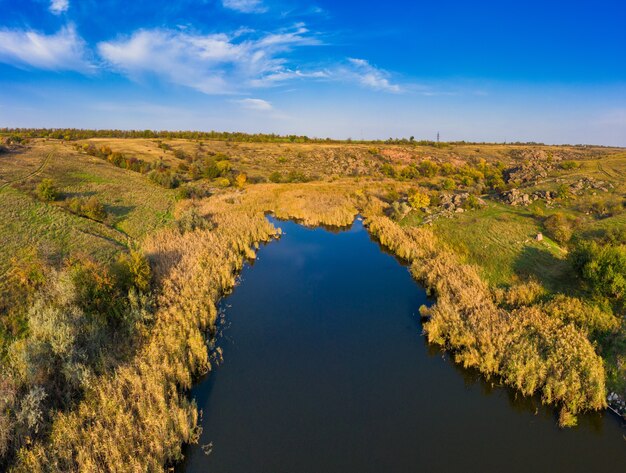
[[90, 207], [276, 177], [569, 165], [180, 154], [559, 228], [47, 191], [471, 203], [296, 176], [165, 178], [388, 170], [136, 270], [428, 169], [562, 192], [448, 184], [603, 267]]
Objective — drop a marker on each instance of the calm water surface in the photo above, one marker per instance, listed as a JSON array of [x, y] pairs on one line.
[[325, 370]]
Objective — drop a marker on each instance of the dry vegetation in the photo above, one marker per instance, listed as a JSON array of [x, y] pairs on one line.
[[105, 315]]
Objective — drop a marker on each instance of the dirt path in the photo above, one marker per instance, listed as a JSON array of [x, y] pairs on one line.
[[34, 173]]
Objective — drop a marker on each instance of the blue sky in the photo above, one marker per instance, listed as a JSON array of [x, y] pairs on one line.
[[550, 71]]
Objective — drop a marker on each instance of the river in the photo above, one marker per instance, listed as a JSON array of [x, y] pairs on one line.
[[325, 370]]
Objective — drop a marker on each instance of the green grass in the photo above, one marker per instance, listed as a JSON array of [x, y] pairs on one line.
[[28, 222], [501, 240], [136, 206], [88, 177]]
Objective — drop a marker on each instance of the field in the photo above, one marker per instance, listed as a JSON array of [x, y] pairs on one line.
[[134, 206], [502, 241], [117, 250]]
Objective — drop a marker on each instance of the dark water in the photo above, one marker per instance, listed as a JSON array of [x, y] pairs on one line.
[[325, 370]]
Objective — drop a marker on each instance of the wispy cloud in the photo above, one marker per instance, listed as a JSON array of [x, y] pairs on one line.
[[259, 105], [285, 75], [59, 6], [245, 6], [212, 64], [62, 51], [362, 72]]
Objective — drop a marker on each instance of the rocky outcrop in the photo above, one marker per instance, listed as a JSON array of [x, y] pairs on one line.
[[450, 204], [589, 183], [518, 198], [534, 165]]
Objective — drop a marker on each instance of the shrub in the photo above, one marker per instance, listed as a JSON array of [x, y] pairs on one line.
[[607, 208], [562, 191], [180, 154], [240, 179], [193, 192], [91, 208], [209, 168], [419, 200], [472, 203], [136, 268], [388, 170], [448, 184], [496, 183], [94, 209], [296, 176], [447, 169], [94, 286], [222, 182], [165, 178], [191, 220], [616, 235], [223, 166], [559, 227], [569, 165], [399, 210], [47, 191], [409, 172], [428, 169], [603, 267], [275, 177]]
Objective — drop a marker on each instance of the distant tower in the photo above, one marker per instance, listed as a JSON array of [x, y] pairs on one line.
[[437, 137]]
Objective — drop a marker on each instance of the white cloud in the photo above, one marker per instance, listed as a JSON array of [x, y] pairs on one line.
[[212, 64], [256, 104], [62, 51], [287, 75], [369, 76], [245, 6], [59, 6]]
